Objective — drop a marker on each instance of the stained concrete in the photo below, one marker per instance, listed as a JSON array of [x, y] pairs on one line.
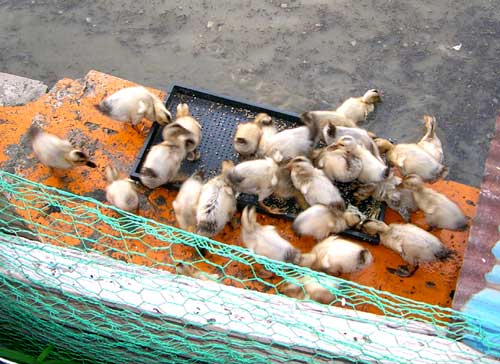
[[17, 90]]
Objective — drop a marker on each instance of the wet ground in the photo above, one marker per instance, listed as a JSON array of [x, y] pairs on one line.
[[436, 57]]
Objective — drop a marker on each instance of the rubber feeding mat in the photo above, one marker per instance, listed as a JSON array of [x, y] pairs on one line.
[[219, 116]]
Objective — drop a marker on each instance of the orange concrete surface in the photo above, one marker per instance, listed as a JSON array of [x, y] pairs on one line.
[[68, 110]]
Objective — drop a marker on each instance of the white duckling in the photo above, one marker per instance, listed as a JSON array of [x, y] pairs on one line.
[[186, 202], [414, 244], [314, 184], [265, 240], [440, 212], [121, 192], [412, 159], [55, 152], [246, 139], [290, 143], [373, 169], [430, 141], [183, 118], [132, 104], [336, 256], [216, 205], [164, 160], [266, 125], [320, 221], [358, 108], [332, 133], [256, 177], [339, 163]]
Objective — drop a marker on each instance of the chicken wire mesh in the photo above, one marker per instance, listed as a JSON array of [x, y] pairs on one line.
[[72, 275]]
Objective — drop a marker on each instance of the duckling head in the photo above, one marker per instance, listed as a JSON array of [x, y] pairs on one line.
[[263, 119], [347, 142], [412, 182], [373, 227], [372, 96], [79, 158], [247, 138], [182, 110], [383, 145], [162, 115]]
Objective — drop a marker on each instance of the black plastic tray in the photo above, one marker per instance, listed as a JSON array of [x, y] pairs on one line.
[[219, 115]]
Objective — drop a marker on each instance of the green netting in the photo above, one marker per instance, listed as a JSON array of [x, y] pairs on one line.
[[104, 285]]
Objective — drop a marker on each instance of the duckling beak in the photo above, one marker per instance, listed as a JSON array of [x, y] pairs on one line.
[[91, 164], [289, 166]]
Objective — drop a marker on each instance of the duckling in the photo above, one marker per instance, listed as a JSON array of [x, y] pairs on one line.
[[373, 169], [264, 240], [290, 143], [430, 141], [246, 139], [257, 177], [164, 160], [186, 202], [317, 289], [331, 134], [189, 270], [414, 244], [184, 119], [319, 221], [439, 210], [314, 184], [55, 152], [217, 203], [322, 118], [412, 159], [266, 125], [132, 104], [336, 256], [358, 108], [338, 163], [121, 193], [391, 192]]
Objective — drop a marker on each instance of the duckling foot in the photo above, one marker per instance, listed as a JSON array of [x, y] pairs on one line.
[[403, 271], [272, 210], [193, 156]]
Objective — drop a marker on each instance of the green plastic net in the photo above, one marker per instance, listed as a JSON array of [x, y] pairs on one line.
[[106, 286]]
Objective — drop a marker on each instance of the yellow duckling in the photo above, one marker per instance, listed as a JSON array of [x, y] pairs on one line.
[[264, 240], [414, 244], [320, 221], [132, 104], [430, 141], [121, 193], [336, 256], [338, 162], [358, 108], [251, 138], [164, 160], [186, 202], [266, 125], [440, 212], [55, 152], [317, 289], [323, 118], [373, 169], [184, 119], [314, 184], [412, 159], [217, 203]]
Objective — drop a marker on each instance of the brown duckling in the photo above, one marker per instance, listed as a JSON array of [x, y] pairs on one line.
[[320, 221], [414, 244], [440, 212], [314, 184], [184, 119], [336, 256], [121, 192], [216, 204], [132, 104], [55, 152], [412, 159], [373, 169], [264, 240], [186, 202], [358, 108]]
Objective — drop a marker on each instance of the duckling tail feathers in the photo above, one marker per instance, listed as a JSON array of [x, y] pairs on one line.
[[149, 172], [444, 253], [33, 131], [444, 172], [105, 107], [364, 258], [234, 178], [292, 255], [207, 228]]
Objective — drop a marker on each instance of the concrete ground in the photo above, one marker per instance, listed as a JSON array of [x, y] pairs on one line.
[[435, 57]]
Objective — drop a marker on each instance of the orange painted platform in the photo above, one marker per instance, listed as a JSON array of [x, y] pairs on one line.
[[68, 110]]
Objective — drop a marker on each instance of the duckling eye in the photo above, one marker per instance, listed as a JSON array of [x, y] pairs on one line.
[[241, 141]]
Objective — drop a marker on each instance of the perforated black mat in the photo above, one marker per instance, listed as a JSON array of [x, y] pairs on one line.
[[219, 116]]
